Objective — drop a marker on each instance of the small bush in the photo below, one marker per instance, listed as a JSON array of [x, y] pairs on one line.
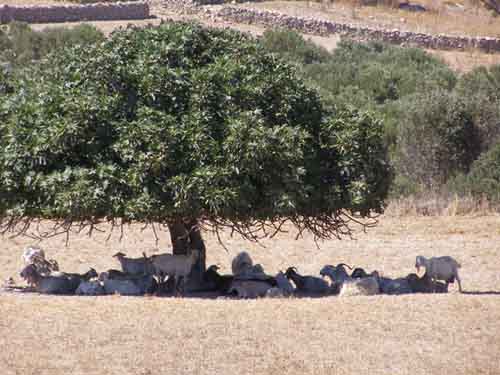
[[293, 47], [21, 46]]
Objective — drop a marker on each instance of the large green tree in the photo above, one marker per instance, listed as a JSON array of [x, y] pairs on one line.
[[186, 127]]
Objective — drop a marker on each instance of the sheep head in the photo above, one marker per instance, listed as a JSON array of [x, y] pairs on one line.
[[359, 273], [30, 274], [291, 271], [327, 270], [90, 274], [420, 261]]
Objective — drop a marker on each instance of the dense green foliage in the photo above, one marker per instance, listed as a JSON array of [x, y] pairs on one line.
[[483, 178], [366, 74], [21, 46], [436, 122], [436, 138], [179, 121]]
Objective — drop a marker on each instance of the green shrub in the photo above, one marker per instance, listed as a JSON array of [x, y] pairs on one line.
[[437, 138], [483, 178], [293, 47], [482, 88], [383, 72], [481, 81]]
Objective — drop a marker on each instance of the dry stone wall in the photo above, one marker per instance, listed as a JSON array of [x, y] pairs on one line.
[[323, 27], [74, 13]]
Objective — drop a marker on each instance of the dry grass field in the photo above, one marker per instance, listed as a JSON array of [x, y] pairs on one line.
[[413, 334]]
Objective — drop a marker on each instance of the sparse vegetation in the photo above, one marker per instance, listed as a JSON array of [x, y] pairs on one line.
[[20, 46]]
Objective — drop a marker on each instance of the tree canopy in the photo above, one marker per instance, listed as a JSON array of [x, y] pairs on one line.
[[181, 122]]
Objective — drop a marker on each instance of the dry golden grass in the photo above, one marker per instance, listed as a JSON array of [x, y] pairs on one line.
[[414, 334], [440, 19]]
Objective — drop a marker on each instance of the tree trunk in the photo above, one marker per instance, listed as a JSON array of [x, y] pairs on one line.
[[179, 237], [184, 237]]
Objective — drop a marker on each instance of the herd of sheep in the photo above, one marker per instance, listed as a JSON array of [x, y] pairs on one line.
[[163, 273]]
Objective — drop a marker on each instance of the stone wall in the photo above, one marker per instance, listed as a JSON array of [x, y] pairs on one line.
[[74, 13], [323, 27]]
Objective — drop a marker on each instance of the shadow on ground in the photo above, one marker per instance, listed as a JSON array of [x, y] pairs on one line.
[[481, 293]]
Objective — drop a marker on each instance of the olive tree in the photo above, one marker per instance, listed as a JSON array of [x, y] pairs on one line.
[[188, 128]]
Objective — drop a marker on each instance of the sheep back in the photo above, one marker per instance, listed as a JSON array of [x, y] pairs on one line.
[[90, 288], [240, 263], [249, 288], [367, 286]]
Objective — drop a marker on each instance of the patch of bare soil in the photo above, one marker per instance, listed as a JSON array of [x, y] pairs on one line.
[[412, 334]]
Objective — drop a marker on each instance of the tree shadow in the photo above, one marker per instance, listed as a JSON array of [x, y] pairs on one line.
[[481, 293]]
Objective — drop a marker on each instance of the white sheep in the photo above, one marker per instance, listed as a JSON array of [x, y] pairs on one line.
[[367, 286], [249, 288], [31, 254], [244, 269], [36, 256], [440, 268], [176, 266], [127, 284], [241, 263], [135, 266]]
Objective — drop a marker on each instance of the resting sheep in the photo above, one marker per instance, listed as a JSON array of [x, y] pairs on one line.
[[424, 284], [134, 286], [440, 268], [60, 284], [367, 286], [90, 288], [176, 266], [394, 286], [307, 284], [222, 283], [241, 263], [35, 255], [283, 288], [249, 288], [244, 269], [135, 266], [90, 274], [284, 284], [337, 275], [359, 273]]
